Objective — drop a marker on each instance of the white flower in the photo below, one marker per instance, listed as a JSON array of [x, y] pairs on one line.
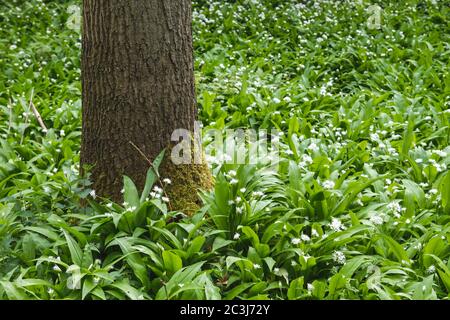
[[109, 205], [395, 206], [376, 219], [157, 189], [276, 270], [313, 147], [336, 225], [276, 100], [243, 190], [239, 210], [92, 193], [310, 287], [233, 181], [374, 136], [130, 209], [236, 236], [256, 266], [305, 237], [230, 202], [50, 290], [339, 257], [56, 268], [238, 199], [314, 233], [258, 194], [167, 181], [431, 269], [295, 241], [307, 159], [289, 152], [329, 184], [165, 199], [440, 153], [232, 173]]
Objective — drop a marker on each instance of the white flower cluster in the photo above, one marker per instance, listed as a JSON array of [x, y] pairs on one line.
[[336, 225], [339, 257]]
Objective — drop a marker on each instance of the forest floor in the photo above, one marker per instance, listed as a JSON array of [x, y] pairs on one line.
[[358, 207]]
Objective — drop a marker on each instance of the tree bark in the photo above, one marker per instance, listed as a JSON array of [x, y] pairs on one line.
[[138, 87]]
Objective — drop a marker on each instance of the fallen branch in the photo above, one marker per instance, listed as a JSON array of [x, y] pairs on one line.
[[154, 169], [38, 117]]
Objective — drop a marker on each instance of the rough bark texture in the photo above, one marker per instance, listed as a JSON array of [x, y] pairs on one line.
[[138, 86]]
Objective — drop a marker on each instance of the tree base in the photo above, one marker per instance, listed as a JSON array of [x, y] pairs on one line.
[[187, 181]]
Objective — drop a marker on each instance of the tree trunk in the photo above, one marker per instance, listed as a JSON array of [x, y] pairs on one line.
[[138, 87]]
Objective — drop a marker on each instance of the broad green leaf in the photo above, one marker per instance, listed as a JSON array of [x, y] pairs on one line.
[[149, 182], [131, 195], [88, 286], [295, 289], [172, 262], [75, 251]]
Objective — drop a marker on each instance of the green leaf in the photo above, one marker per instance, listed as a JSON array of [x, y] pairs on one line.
[[196, 246], [126, 288], [270, 262], [29, 247], [88, 260], [172, 262], [12, 291], [88, 286], [295, 289], [398, 251], [233, 293], [183, 276], [44, 231], [219, 243], [160, 205], [131, 195], [99, 293], [443, 271], [134, 260], [424, 290], [337, 282], [251, 234], [435, 246], [158, 160], [75, 251], [444, 188], [149, 182], [32, 283], [413, 194], [408, 137]]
